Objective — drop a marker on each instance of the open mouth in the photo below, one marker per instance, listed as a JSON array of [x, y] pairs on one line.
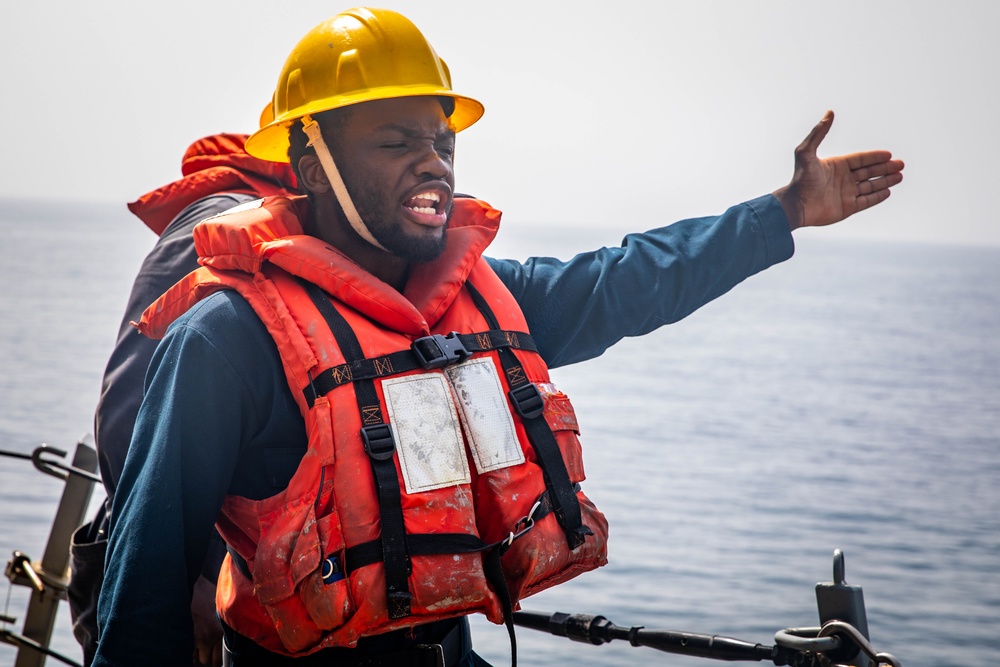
[[425, 203]]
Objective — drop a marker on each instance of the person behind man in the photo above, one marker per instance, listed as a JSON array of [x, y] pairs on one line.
[[375, 476], [216, 175]]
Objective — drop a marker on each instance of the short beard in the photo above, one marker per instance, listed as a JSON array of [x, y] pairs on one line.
[[409, 248], [373, 208]]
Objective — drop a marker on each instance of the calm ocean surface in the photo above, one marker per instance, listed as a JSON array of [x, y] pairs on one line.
[[849, 398]]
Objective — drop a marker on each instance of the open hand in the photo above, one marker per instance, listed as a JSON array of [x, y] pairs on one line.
[[825, 191]]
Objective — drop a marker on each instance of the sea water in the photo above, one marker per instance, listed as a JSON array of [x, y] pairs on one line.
[[848, 398]]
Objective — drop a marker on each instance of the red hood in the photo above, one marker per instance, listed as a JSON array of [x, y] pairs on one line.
[[213, 165]]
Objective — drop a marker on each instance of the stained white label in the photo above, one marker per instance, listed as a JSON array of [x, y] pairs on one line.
[[486, 418], [239, 208], [426, 428]]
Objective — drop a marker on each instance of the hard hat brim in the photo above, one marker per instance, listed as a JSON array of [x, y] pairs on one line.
[[271, 141]]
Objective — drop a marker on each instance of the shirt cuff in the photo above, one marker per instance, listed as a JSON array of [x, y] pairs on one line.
[[773, 225]]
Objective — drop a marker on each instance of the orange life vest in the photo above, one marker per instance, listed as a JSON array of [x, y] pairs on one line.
[[212, 165], [399, 504]]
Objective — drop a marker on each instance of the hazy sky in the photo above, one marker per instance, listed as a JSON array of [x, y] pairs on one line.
[[632, 114]]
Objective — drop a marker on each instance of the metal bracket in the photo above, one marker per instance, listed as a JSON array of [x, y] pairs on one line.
[[43, 463]]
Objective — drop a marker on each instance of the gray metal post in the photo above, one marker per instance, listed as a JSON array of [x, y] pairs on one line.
[[53, 569]]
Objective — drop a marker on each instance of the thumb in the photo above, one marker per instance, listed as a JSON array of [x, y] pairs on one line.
[[811, 143]]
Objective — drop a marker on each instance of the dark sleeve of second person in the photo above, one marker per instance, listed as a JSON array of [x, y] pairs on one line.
[[216, 415], [171, 259], [579, 308]]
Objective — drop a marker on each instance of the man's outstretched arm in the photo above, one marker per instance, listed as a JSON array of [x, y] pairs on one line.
[[578, 308], [827, 190]]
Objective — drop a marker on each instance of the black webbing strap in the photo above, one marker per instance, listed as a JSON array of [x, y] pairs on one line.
[[453, 543], [429, 544], [421, 544], [493, 569], [380, 445], [435, 351], [529, 404], [426, 544], [451, 648]]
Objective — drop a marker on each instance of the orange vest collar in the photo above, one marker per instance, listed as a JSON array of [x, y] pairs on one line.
[[213, 165], [272, 233]]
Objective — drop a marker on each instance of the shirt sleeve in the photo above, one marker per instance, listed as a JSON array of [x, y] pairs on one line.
[[171, 259], [577, 309], [199, 411]]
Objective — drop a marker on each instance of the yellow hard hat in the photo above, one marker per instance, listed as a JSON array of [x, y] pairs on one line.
[[267, 114], [357, 56]]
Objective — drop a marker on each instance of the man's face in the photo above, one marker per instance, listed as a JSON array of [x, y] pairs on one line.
[[396, 160]]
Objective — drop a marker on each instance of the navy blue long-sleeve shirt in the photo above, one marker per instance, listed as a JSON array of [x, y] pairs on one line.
[[217, 417]]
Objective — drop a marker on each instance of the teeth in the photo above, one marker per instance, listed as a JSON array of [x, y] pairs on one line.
[[423, 198]]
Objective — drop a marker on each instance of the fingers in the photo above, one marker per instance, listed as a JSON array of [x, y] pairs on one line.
[[869, 200], [867, 187], [208, 655], [811, 143], [869, 158], [875, 170], [874, 183]]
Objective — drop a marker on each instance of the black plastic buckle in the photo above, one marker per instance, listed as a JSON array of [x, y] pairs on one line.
[[379, 443], [438, 351], [527, 401]]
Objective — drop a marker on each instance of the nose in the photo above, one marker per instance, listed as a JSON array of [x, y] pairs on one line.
[[433, 163]]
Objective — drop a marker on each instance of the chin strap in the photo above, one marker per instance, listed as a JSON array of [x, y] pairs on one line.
[[311, 128]]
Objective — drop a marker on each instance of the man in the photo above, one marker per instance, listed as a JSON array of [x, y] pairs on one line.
[[310, 389]]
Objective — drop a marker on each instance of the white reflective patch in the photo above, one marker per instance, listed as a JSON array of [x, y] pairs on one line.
[[428, 437], [245, 206], [485, 415]]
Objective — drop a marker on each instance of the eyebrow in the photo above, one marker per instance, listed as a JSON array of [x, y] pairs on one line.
[[415, 133]]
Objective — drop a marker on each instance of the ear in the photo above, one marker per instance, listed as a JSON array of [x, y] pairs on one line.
[[313, 178]]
